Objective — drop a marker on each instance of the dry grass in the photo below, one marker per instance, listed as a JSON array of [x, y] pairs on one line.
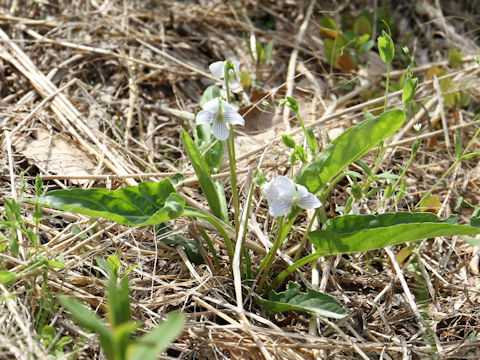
[[94, 93]]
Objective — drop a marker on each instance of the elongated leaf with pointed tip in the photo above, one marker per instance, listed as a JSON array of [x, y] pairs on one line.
[[215, 202], [357, 233], [312, 301], [90, 321], [156, 341], [148, 203], [347, 148]]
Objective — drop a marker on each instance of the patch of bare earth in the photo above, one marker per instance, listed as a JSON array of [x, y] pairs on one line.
[[93, 94]]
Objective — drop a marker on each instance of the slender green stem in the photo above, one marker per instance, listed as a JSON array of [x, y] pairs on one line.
[[471, 142], [281, 234], [209, 242], [285, 273], [226, 68], [231, 156], [249, 203], [387, 86], [305, 236], [301, 123], [309, 141], [218, 224], [332, 184], [233, 179], [268, 261], [380, 150], [402, 175]]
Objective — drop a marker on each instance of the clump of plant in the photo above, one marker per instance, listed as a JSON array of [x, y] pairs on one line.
[[308, 186]]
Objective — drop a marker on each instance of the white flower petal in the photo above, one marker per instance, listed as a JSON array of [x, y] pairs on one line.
[[285, 187], [205, 117], [236, 66], [301, 190], [226, 107], [220, 130], [309, 201], [235, 85], [270, 191], [217, 69], [234, 118], [280, 207], [212, 105]]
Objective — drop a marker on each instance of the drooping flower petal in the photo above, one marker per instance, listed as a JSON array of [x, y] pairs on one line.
[[282, 194], [213, 105], [218, 69], [280, 207], [235, 86], [270, 191], [305, 199], [309, 201], [234, 118], [228, 107], [236, 66], [220, 130], [205, 117]]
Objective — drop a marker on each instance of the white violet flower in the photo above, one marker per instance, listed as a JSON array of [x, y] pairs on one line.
[[417, 127], [218, 70], [219, 113], [282, 194]]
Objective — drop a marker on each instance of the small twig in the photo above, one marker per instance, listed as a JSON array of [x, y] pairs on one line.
[[410, 299], [292, 64]]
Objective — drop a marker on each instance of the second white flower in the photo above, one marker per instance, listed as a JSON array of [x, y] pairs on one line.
[[219, 113], [282, 194]]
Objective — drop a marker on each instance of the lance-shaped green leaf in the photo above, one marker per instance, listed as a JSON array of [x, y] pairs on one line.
[[358, 233], [347, 148], [91, 322], [148, 203], [216, 203], [156, 341], [312, 301]]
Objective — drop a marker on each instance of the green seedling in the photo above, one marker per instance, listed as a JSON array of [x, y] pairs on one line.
[[116, 338]]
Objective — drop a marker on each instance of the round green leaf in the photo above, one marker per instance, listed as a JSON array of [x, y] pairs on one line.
[[386, 48]]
